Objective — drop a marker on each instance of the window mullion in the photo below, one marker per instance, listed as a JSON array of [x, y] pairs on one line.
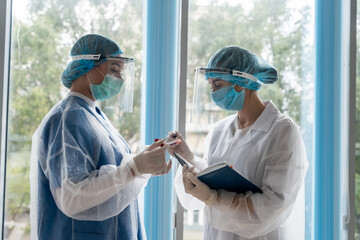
[[5, 26]]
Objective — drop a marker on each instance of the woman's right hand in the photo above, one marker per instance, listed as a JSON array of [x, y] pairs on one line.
[[152, 160], [182, 148]]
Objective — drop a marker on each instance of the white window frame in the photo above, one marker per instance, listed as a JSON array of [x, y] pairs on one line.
[[5, 43], [5, 27]]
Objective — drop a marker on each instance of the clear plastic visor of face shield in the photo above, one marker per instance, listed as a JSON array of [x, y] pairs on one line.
[[121, 68], [204, 110]]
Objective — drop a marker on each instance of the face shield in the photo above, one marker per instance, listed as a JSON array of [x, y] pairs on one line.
[[208, 80], [118, 85], [123, 68]]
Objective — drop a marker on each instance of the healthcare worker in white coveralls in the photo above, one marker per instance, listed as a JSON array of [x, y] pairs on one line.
[[261, 143]]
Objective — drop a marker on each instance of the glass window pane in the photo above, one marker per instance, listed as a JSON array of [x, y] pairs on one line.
[[42, 35], [279, 31]]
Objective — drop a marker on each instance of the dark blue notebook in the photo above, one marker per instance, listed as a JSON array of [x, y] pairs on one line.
[[223, 176]]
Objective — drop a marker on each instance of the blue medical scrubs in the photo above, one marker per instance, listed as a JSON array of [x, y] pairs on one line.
[[52, 222]]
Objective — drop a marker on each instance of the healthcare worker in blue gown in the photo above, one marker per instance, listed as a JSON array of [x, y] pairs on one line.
[[84, 179], [261, 143]]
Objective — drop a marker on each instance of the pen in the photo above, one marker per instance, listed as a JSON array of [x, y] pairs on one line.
[[180, 159]]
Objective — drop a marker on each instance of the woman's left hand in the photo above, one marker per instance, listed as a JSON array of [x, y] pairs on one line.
[[166, 170], [196, 187]]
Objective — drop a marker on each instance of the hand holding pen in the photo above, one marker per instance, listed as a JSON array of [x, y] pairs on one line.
[[169, 163], [182, 148], [152, 160]]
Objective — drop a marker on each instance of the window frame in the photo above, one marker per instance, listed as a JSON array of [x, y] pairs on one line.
[[349, 57], [5, 40], [181, 111]]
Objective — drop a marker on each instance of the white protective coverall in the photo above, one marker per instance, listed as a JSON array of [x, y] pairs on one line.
[[271, 154]]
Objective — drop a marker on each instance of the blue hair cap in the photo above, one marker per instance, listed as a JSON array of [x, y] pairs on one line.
[[88, 44], [237, 58]]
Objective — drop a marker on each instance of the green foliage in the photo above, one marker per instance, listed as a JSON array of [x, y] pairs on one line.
[[18, 186], [35, 67]]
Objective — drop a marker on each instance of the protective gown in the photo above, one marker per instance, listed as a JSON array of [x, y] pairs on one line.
[[84, 181], [270, 154]]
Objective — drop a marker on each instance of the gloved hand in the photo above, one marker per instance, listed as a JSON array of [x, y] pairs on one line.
[[153, 159], [166, 170], [197, 188], [181, 148]]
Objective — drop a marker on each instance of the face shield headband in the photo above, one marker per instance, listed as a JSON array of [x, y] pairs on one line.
[[242, 79], [99, 57]]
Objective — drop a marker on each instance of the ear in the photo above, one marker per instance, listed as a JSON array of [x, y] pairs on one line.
[[238, 88], [96, 75]]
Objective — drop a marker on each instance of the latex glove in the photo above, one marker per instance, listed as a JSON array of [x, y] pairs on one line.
[[166, 170], [181, 148], [153, 159], [197, 188]]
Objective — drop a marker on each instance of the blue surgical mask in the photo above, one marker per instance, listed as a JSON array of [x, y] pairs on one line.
[[109, 87], [228, 98]]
